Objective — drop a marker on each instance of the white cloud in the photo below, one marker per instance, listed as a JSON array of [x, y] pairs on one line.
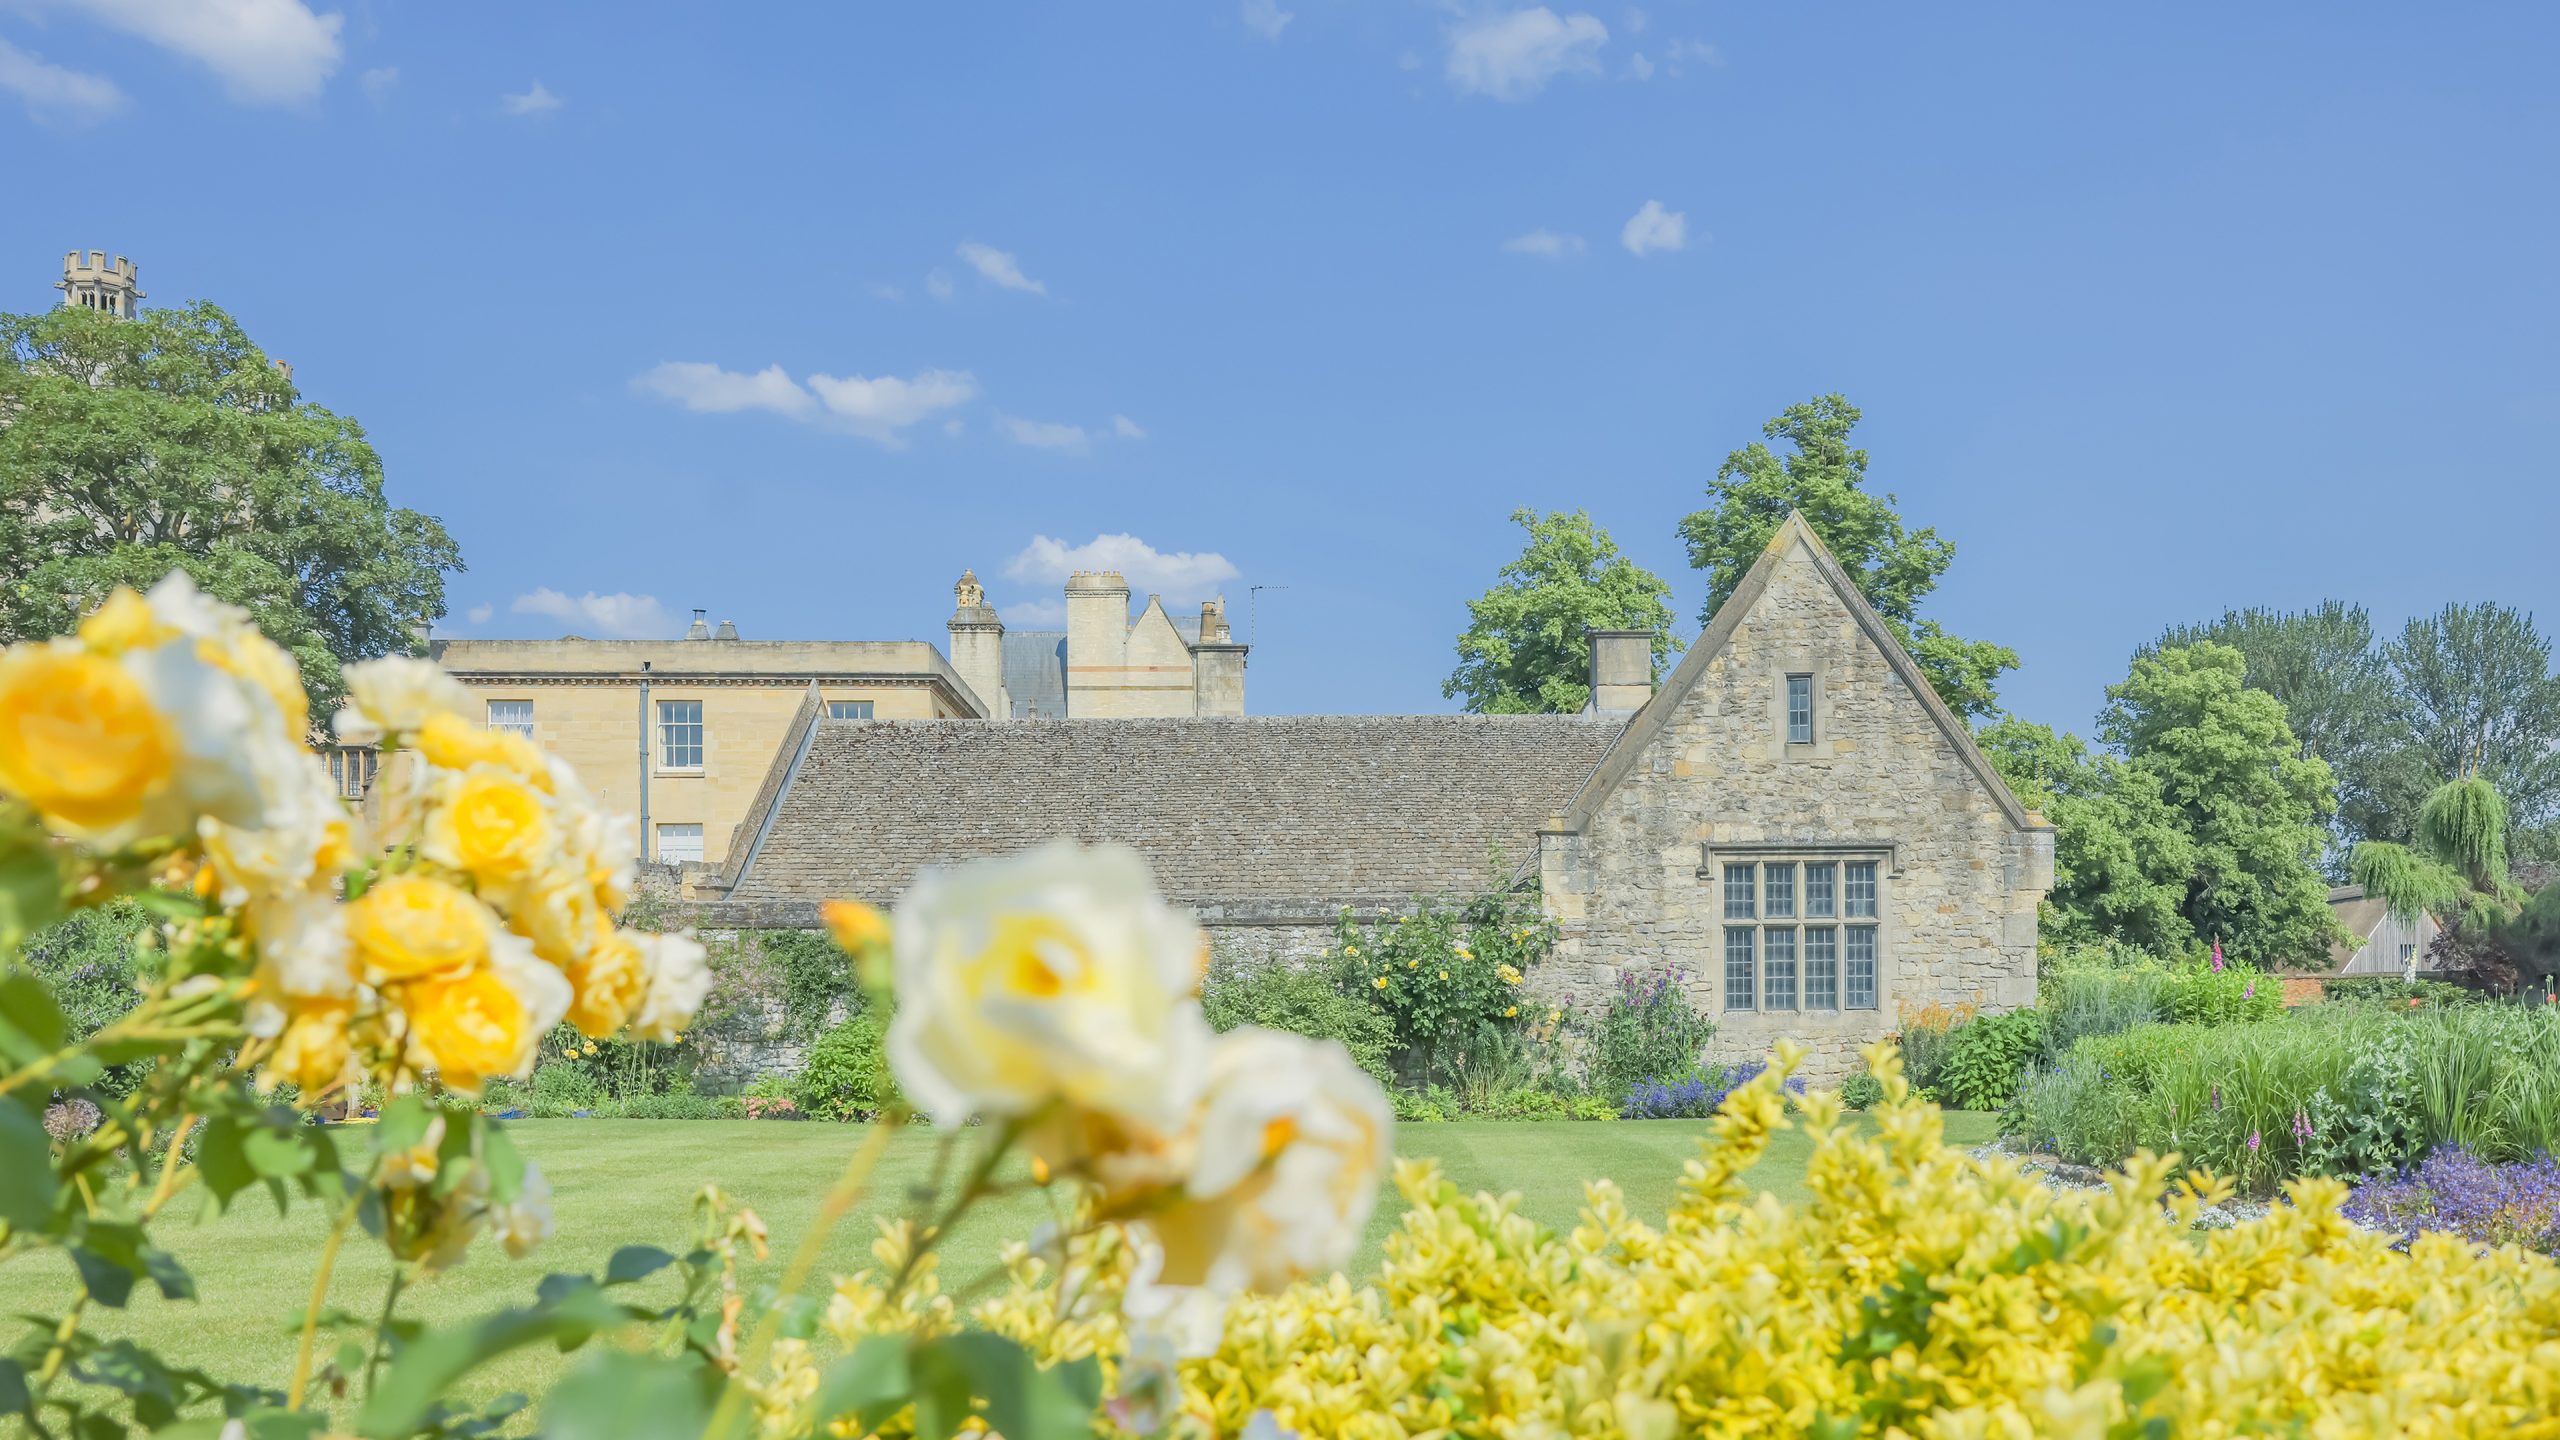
[[1045, 434], [1698, 51], [1654, 228], [955, 427], [1545, 244], [618, 616], [937, 284], [479, 614], [1636, 21], [1512, 55], [1266, 19], [883, 290], [701, 386], [874, 408], [267, 52], [1639, 66], [1126, 428], [536, 101], [1176, 575], [998, 268], [378, 84], [877, 409], [54, 94], [1049, 610]]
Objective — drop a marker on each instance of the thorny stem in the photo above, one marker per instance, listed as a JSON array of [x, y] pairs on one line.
[[319, 1296], [840, 1200], [382, 1327]]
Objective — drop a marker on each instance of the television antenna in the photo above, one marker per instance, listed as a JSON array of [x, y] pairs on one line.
[[1253, 612]]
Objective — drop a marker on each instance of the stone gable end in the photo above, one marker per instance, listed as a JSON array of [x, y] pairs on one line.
[[1636, 879]]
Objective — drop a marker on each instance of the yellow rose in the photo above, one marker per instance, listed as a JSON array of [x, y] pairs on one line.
[[79, 738], [1380, 982], [1054, 975], [558, 914], [124, 622], [1507, 1014], [453, 743], [253, 657], [1444, 974], [492, 825], [313, 1052], [409, 926], [469, 1027], [607, 984], [1351, 950]]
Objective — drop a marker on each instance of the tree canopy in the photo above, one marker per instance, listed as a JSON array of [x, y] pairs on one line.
[[1526, 648], [130, 447], [2477, 687], [1824, 476], [2203, 823]]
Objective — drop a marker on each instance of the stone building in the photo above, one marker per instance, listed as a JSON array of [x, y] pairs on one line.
[[1103, 666], [96, 284], [1793, 823], [677, 734]]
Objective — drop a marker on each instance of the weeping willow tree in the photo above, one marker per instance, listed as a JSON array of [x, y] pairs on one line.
[[2457, 869]]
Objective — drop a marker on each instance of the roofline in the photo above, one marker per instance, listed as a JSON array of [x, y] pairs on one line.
[[1655, 716], [787, 756]]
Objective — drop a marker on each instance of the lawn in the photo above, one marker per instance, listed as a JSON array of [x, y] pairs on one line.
[[619, 1182]]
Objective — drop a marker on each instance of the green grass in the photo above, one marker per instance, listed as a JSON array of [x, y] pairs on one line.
[[619, 1182]]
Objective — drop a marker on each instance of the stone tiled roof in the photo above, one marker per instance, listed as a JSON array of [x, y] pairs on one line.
[[1243, 817]]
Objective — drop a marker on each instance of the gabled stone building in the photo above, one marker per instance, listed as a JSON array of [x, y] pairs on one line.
[[1793, 821]]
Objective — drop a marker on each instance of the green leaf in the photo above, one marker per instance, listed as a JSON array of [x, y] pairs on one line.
[[26, 1169], [635, 1262], [223, 1161], [426, 1368], [277, 1154], [108, 1280], [870, 1385], [617, 1395], [403, 1125], [506, 1167], [31, 1025], [1024, 1402], [13, 1387], [165, 1271], [30, 889]]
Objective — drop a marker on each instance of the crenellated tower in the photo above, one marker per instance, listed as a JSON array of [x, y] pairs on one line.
[[94, 284]]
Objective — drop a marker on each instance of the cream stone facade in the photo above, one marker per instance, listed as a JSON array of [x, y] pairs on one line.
[[1103, 666], [1797, 824], [1793, 826], [677, 734]]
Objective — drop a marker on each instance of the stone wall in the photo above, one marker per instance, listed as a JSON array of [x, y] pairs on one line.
[[1636, 885]]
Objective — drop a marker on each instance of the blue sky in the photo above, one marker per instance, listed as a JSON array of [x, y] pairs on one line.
[[791, 312]]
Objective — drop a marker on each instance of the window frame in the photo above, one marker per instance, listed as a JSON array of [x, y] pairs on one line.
[[664, 751], [510, 726], [658, 839], [864, 706], [1817, 942], [1787, 707]]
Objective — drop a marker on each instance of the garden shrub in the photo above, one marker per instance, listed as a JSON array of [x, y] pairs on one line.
[[1986, 1056], [2198, 994], [2453, 1190], [91, 961], [1923, 1039], [2394, 990], [1861, 1091], [1649, 1028], [1432, 1106], [2327, 1090], [847, 1076], [1303, 1000], [561, 1089], [1445, 976], [2086, 1000], [817, 978]]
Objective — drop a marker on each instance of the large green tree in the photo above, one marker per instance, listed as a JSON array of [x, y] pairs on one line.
[[130, 447], [1823, 475], [1526, 648], [2457, 871], [2236, 780], [2476, 684], [2341, 702], [2122, 858]]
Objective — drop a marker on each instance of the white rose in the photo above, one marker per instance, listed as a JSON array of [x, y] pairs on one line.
[[679, 978], [1285, 1155], [526, 1223], [398, 692], [1053, 975], [538, 985]]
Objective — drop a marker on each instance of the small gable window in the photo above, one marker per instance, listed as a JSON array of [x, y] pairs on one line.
[[1799, 709]]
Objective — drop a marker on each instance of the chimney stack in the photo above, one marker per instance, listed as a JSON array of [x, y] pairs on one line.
[[1621, 671], [700, 629]]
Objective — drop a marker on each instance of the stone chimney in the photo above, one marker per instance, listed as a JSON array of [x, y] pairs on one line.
[[977, 646], [1097, 644], [700, 629], [1621, 671], [728, 631], [1217, 665]]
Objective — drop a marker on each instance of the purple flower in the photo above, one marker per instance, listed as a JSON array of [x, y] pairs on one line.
[[2302, 1130], [2249, 991], [2217, 956], [2253, 1139], [2457, 1191], [2217, 1098]]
